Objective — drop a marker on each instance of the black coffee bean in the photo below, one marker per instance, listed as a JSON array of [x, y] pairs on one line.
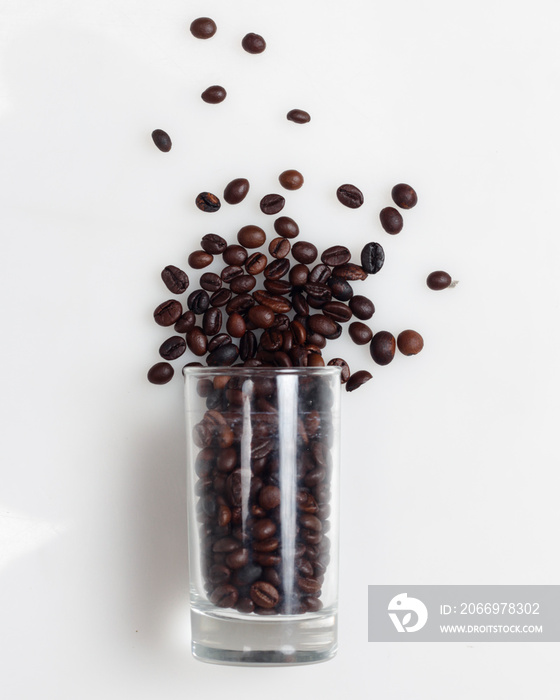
[[350, 196], [167, 313], [212, 321], [185, 322], [229, 273], [291, 179], [410, 342], [264, 595], [224, 596], [236, 190], [206, 201], [162, 140], [404, 196], [175, 279], [255, 263], [277, 269], [286, 227], [360, 333], [217, 341], [198, 301], [391, 220], [210, 282], [160, 373], [214, 94], [299, 116], [214, 244], [203, 28], [337, 311], [382, 347], [357, 379], [361, 307], [438, 280], [278, 286], [173, 347], [272, 203], [197, 341], [200, 259], [345, 369], [340, 288], [304, 252], [372, 258], [235, 255], [242, 284], [320, 274], [251, 236], [350, 271], [248, 346], [336, 255], [220, 298], [224, 356]]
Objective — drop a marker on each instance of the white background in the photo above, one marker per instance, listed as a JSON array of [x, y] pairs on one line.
[[449, 459]]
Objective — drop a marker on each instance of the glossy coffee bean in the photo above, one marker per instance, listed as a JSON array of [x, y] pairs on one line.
[[372, 258], [273, 301], [255, 263], [350, 196], [277, 287], [175, 279], [272, 203], [391, 220], [251, 236], [336, 255], [337, 311], [224, 596], [300, 304], [160, 373], [340, 288], [345, 369], [286, 227], [200, 259], [298, 116], [264, 594], [410, 342], [277, 269], [261, 316], [224, 356], [317, 292], [350, 271], [248, 346], [253, 43], [291, 179], [208, 202], [167, 313], [198, 301], [236, 190], [212, 321], [162, 140], [304, 252], [357, 379], [236, 325], [235, 255], [240, 303], [298, 275], [185, 322], [242, 284], [382, 347], [320, 274], [203, 28], [325, 326], [214, 244], [230, 272], [214, 94], [217, 341], [279, 247], [197, 341], [173, 347], [404, 196], [437, 280], [210, 282], [269, 497], [221, 297], [360, 333]]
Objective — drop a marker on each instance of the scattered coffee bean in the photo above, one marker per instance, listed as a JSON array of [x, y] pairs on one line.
[[236, 191], [277, 303], [345, 369], [185, 322], [410, 342], [162, 140], [325, 326], [175, 279], [337, 311], [236, 325], [277, 269], [261, 316], [210, 282], [203, 28], [212, 321], [172, 348], [255, 263], [221, 297], [286, 227], [272, 203], [340, 288], [437, 280], [253, 43], [235, 255], [361, 307], [291, 179], [382, 347], [251, 236], [279, 247], [360, 333], [277, 286], [213, 244], [336, 255], [197, 341], [200, 259], [372, 258], [167, 313], [208, 202], [198, 301], [160, 373], [298, 275], [223, 356], [350, 196], [299, 116], [404, 196], [350, 271], [357, 379], [391, 220], [242, 284], [214, 94], [217, 341], [304, 252], [230, 272]]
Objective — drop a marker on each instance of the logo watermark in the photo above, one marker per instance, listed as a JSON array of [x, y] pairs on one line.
[[403, 603]]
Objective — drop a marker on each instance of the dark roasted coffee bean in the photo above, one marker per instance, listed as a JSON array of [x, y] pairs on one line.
[[345, 373], [239, 303], [214, 244], [199, 259], [219, 573], [304, 252], [203, 28], [278, 286], [198, 301], [361, 307], [340, 288], [278, 304], [350, 271], [299, 274], [236, 325], [246, 605], [336, 255], [372, 258], [279, 247], [300, 305], [251, 236], [315, 360], [235, 255], [225, 545], [350, 196], [286, 227], [391, 220], [360, 333], [238, 558], [197, 341], [404, 196], [382, 347], [291, 179], [167, 313], [255, 263], [298, 332], [224, 596], [247, 346], [272, 203], [263, 529], [322, 324], [281, 322], [437, 280], [185, 322], [229, 273], [160, 373], [261, 316], [175, 279], [162, 140], [335, 334], [172, 348], [217, 341], [212, 321], [317, 291], [236, 191], [337, 311], [214, 94], [253, 43], [357, 379], [320, 274], [269, 545], [206, 201], [271, 340], [224, 356], [319, 340], [410, 342], [299, 116], [210, 282], [264, 595], [227, 460], [242, 284], [247, 575], [220, 298], [277, 269], [269, 497], [315, 303]]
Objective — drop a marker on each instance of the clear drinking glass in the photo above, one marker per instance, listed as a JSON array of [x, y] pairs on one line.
[[262, 460]]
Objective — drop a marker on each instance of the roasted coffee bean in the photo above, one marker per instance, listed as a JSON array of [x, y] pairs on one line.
[[255, 263], [212, 321], [238, 558], [372, 258], [247, 575], [350, 271], [345, 371], [298, 332], [224, 356], [382, 347], [318, 292], [340, 288], [264, 595], [272, 203], [160, 373], [217, 341], [235, 255], [242, 284], [315, 360], [214, 244], [185, 322], [281, 322], [322, 324], [277, 269], [269, 545], [350, 196], [198, 301], [437, 280], [337, 311], [320, 274], [239, 303], [308, 585], [225, 544], [247, 346], [167, 313], [206, 201], [299, 275], [246, 605], [236, 325], [279, 247], [271, 340], [229, 273], [227, 460], [357, 379], [220, 298], [199, 259], [261, 316], [315, 303], [175, 279], [197, 341], [224, 596], [304, 252], [251, 236], [203, 28], [276, 287], [336, 255], [286, 227], [269, 497], [162, 140], [300, 304], [361, 307], [404, 196], [410, 342], [224, 516], [173, 347], [336, 333], [391, 220], [278, 304], [253, 43], [291, 179], [236, 191], [299, 116], [214, 94], [218, 573], [210, 282], [360, 333], [263, 529], [317, 339]]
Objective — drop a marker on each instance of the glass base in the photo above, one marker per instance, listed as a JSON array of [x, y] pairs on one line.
[[279, 640]]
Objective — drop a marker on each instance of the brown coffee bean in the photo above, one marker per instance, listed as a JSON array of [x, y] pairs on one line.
[[212, 321], [230, 272], [361, 307], [167, 313], [208, 202], [238, 558], [269, 497], [212, 243], [220, 298], [200, 259], [299, 116], [175, 279], [340, 288], [357, 379], [261, 316], [337, 311], [223, 356], [235, 255], [279, 247], [277, 303], [217, 341], [299, 302], [391, 220], [242, 284], [286, 227], [224, 596], [410, 342], [251, 236], [291, 179], [345, 369], [172, 348], [350, 196], [320, 274], [255, 263], [304, 252], [236, 325], [203, 28], [160, 373], [240, 303], [437, 280], [349, 271], [214, 94], [382, 347], [210, 282], [236, 190], [336, 255], [317, 292], [264, 595], [272, 203], [278, 287], [162, 140], [253, 43], [360, 333], [321, 324], [277, 269], [198, 301], [404, 196], [263, 529], [197, 341], [308, 585], [298, 275], [185, 322]]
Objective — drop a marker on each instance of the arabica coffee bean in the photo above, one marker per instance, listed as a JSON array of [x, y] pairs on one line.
[[382, 347], [208, 202], [357, 379], [318, 323], [236, 190], [251, 236], [172, 348], [278, 286], [272, 203], [162, 140], [291, 179], [279, 247], [299, 116], [247, 346], [185, 322], [361, 307], [317, 292], [197, 341], [340, 288], [240, 303], [277, 303], [264, 594], [221, 297], [242, 284], [210, 282], [286, 227], [261, 316], [200, 259], [224, 596], [160, 373], [391, 220], [304, 252], [167, 313], [337, 311], [320, 274], [212, 321], [230, 272], [255, 263], [410, 342], [198, 301], [350, 271], [437, 280], [345, 369], [360, 333], [253, 43], [217, 341], [336, 255], [372, 258], [175, 279], [299, 274], [212, 243], [235, 255], [404, 196], [223, 356], [236, 325], [350, 196], [203, 28], [277, 269], [214, 94]]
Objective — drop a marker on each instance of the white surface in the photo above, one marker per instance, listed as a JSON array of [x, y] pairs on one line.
[[450, 459]]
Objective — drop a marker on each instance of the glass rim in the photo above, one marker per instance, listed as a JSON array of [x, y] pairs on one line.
[[327, 370]]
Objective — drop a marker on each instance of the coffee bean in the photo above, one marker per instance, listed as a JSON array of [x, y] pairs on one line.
[[162, 140], [269, 497], [203, 28], [291, 179], [217, 341], [279, 247], [210, 282], [198, 301], [200, 259], [322, 324], [247, 346], [197, 341], [173, 347], [277, 269], [319, 293], [277, 303], [382, 347], [264, 595], [437, 280], [224, 356], [236, 191], [220, 298], [251, 236], [320, 274], [345, 369], [272, 203], [360, 333], [239, 303], [350, 196], [286, 227], [391, 220], [167, 313], [336, 255], [278, 286], [212, 321], [357, 379], [372, 258], [238, 558], [160, 373], [242, 284], [247, 575], [361, 307], [206, 201], [185, 322], [350, 271], [253, 43], [299, 116], [261, 316], [263, 529], [235, 255], [337, 311], [230, 272], [175, 279], [214, 244], [340, 288], [300, 304], [255, 263], [299, 274], [236, 325], [224, 596], [404, 196], [304, 252], [214, 94], [410, 342]]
